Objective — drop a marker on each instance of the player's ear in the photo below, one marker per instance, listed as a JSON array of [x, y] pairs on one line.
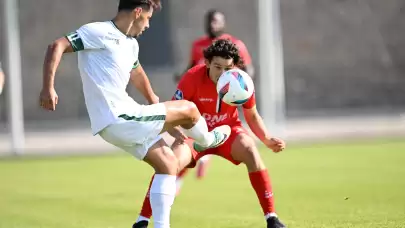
[[137, 12], [207, 63]]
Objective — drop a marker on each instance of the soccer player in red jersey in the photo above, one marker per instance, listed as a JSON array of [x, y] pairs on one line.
[[199, 86], [215, 29]]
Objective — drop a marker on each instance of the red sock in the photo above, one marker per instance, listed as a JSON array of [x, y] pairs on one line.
[[146, 208], [182, 173], [260, 181]]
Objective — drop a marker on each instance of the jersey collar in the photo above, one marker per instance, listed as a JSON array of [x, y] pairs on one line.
[[207, 78], [115, 26]]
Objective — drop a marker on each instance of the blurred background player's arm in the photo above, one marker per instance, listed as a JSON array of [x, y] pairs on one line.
[[141, 82], [2, 79], [250, 70], [177, 76], [247, 59]]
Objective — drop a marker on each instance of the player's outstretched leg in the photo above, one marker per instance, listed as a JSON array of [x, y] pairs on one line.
[[163, 186], [140, 137], [183, 153], [185, 114], [244, 150]]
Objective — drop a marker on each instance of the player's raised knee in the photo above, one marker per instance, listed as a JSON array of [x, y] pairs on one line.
[[193, 111], [188, 106], [190, 111]]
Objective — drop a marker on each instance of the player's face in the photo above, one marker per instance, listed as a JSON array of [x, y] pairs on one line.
[[216, 25], [218, 66], [141, 21]]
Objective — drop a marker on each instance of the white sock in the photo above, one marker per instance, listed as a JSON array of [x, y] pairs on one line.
[[162, 194], [141, 218], [268, 215], [199, 132]]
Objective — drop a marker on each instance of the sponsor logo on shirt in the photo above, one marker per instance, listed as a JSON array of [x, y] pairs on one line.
[[213, 120], [115, 40], [178, 95], [206, 99]]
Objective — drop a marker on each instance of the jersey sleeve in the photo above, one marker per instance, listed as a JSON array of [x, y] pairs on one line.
[[136, 64], [185, 89], [243, 52], [251, 102], [86, 37]]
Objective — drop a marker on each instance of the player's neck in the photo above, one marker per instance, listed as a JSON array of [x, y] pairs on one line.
[[209, 77], [216, 35], [123, 23]]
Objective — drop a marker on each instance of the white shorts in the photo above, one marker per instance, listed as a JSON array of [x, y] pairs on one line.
[[136, 134]]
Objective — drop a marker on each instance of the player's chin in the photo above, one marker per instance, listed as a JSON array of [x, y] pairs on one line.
[[139, 34]]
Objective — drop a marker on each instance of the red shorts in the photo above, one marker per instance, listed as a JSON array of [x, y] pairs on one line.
[[224, 150]]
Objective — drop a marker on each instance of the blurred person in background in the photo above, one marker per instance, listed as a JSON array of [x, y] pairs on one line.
[[215, 25]]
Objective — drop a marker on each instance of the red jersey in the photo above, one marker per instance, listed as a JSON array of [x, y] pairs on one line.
[[197, 55], [196, 86]]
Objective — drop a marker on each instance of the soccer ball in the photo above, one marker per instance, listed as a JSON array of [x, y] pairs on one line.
[[235, 87]]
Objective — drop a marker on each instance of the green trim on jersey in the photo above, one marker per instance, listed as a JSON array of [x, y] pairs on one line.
[[136, 64], [75, 41], [143, 118]]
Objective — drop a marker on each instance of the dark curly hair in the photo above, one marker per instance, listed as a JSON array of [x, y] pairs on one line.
[[225, 49], [145, 4]]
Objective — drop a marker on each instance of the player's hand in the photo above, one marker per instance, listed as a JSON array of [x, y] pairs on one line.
[[48, 99], [275, 144], [154, 99], [177, 134]]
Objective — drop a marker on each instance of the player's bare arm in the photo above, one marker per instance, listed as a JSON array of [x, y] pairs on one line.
[[256, 124], [249, 69], [48, 97], [247, 59], [141, 82]]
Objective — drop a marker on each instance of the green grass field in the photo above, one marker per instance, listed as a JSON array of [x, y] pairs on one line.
[[359, 185]]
